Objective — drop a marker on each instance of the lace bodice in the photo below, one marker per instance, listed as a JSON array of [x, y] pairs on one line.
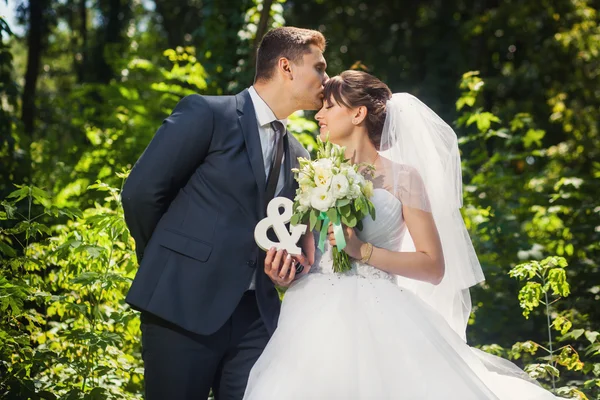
[[386, 231]]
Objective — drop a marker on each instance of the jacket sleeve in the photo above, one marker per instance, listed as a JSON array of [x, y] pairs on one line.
[[179, 146]]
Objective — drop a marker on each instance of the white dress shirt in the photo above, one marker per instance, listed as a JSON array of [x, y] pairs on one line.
[[264, 117]]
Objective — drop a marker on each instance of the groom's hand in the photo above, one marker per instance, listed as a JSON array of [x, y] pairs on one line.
[[283, 268]]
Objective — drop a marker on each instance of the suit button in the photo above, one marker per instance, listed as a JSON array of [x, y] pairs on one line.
[[251, 263]]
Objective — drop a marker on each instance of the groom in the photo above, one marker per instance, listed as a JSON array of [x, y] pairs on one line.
[[192, 201]]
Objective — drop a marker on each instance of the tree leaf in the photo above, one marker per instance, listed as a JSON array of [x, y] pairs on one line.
[[93, 251], [557, 279], [533, 136], [19, 194], [529, 297], [10, 209], [40, 196], [6, 249], [86, 278], [592, 336], [574, 335]]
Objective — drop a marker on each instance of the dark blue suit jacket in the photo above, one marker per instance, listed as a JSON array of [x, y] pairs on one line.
[[191, 203]]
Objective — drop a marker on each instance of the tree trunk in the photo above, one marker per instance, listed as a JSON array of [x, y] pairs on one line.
[[178, 19], [112, 32], [109, 39], [265, 16], [84, 41], [34, 55]]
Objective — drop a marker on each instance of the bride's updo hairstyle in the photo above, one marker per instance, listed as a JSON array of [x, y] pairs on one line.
[[353, 89]]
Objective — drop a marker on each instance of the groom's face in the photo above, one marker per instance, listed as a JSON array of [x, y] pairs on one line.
[[309, 79]]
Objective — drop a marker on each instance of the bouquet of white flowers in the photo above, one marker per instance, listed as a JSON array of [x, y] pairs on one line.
[[332, 190]]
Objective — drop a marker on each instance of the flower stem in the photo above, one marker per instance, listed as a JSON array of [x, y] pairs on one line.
[[549, 332], [341, 262]]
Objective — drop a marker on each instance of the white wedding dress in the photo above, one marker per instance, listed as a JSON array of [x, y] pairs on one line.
[[362, 336]]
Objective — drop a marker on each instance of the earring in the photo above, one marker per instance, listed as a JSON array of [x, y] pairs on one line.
[[355, 122]]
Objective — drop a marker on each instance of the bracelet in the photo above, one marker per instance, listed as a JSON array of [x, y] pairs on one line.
[[366, 255]]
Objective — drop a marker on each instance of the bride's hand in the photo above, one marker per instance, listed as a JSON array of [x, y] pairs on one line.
[[353, 243]]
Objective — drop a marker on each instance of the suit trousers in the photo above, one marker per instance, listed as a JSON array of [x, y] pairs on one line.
[[181, 365]]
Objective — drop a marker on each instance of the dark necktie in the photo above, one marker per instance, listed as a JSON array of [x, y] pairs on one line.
[[276, 164]]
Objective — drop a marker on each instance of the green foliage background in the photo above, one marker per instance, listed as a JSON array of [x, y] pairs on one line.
[[519, 80]]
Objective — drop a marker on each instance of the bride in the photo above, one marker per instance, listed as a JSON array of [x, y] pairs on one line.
[[394, 326]]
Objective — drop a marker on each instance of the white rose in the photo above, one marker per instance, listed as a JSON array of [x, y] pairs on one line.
[[304, 201], [359, 179], [353, 176], [322, 176], [354, 191], [321, 199], [339, 186], [305, 181], [324, 163]]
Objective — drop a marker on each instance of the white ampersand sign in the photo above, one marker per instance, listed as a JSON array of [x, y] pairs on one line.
[[277, 220]]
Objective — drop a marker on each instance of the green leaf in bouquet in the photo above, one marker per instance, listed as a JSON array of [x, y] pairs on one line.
[[346, 210], [350, 221], [342, 202], [314, 215], [371, 210], [319, 225], [364, 204], [306, 218], [333, 216], [358, 204], [359, 225], [296, 218], [302, 162]]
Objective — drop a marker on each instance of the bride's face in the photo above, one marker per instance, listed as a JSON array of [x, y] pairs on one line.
[[334, 120]]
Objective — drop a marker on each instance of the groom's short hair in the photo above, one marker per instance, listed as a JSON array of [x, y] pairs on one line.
[[289, 42]]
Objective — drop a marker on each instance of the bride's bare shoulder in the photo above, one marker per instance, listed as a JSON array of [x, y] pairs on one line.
[[389, 168]]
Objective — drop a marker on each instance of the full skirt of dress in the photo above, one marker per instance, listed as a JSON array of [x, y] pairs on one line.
[[352, 337]]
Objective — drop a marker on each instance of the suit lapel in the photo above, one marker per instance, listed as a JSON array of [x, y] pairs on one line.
[[249, 126]]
